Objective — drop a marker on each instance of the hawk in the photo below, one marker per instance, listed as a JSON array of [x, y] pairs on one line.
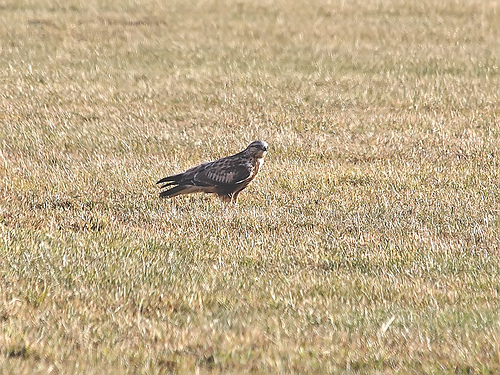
[[226, 177]]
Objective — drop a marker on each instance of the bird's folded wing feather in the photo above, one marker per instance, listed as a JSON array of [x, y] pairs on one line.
[[225, 171]]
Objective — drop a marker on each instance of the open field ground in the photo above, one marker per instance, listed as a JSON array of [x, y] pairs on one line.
[[369, 242]]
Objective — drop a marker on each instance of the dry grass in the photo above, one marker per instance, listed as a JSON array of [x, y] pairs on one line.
[[369, 243]]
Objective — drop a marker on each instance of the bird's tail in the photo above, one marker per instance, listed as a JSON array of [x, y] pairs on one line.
[[176, 178], [172, 192], [182, 189]]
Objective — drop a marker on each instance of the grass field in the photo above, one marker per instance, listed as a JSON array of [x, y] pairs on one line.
[[369, 242]]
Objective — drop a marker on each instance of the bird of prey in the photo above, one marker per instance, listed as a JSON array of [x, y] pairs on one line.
[[226, 177]]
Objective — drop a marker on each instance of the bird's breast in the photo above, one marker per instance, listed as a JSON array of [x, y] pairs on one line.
[[259, 164]]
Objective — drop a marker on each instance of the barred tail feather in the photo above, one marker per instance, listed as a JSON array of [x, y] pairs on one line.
[[174, 178], [169, 184], [183, 189], [172, 192]]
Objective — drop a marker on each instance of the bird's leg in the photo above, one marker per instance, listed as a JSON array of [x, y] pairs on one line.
[[234, 199], [227, 198]]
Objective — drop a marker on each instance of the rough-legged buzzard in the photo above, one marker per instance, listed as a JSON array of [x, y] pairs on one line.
[[226, 177]]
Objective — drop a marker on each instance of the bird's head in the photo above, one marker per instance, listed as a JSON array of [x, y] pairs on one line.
[[257, 149]]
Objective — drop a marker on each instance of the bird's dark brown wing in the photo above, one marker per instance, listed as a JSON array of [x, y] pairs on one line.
[[227, 171]]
